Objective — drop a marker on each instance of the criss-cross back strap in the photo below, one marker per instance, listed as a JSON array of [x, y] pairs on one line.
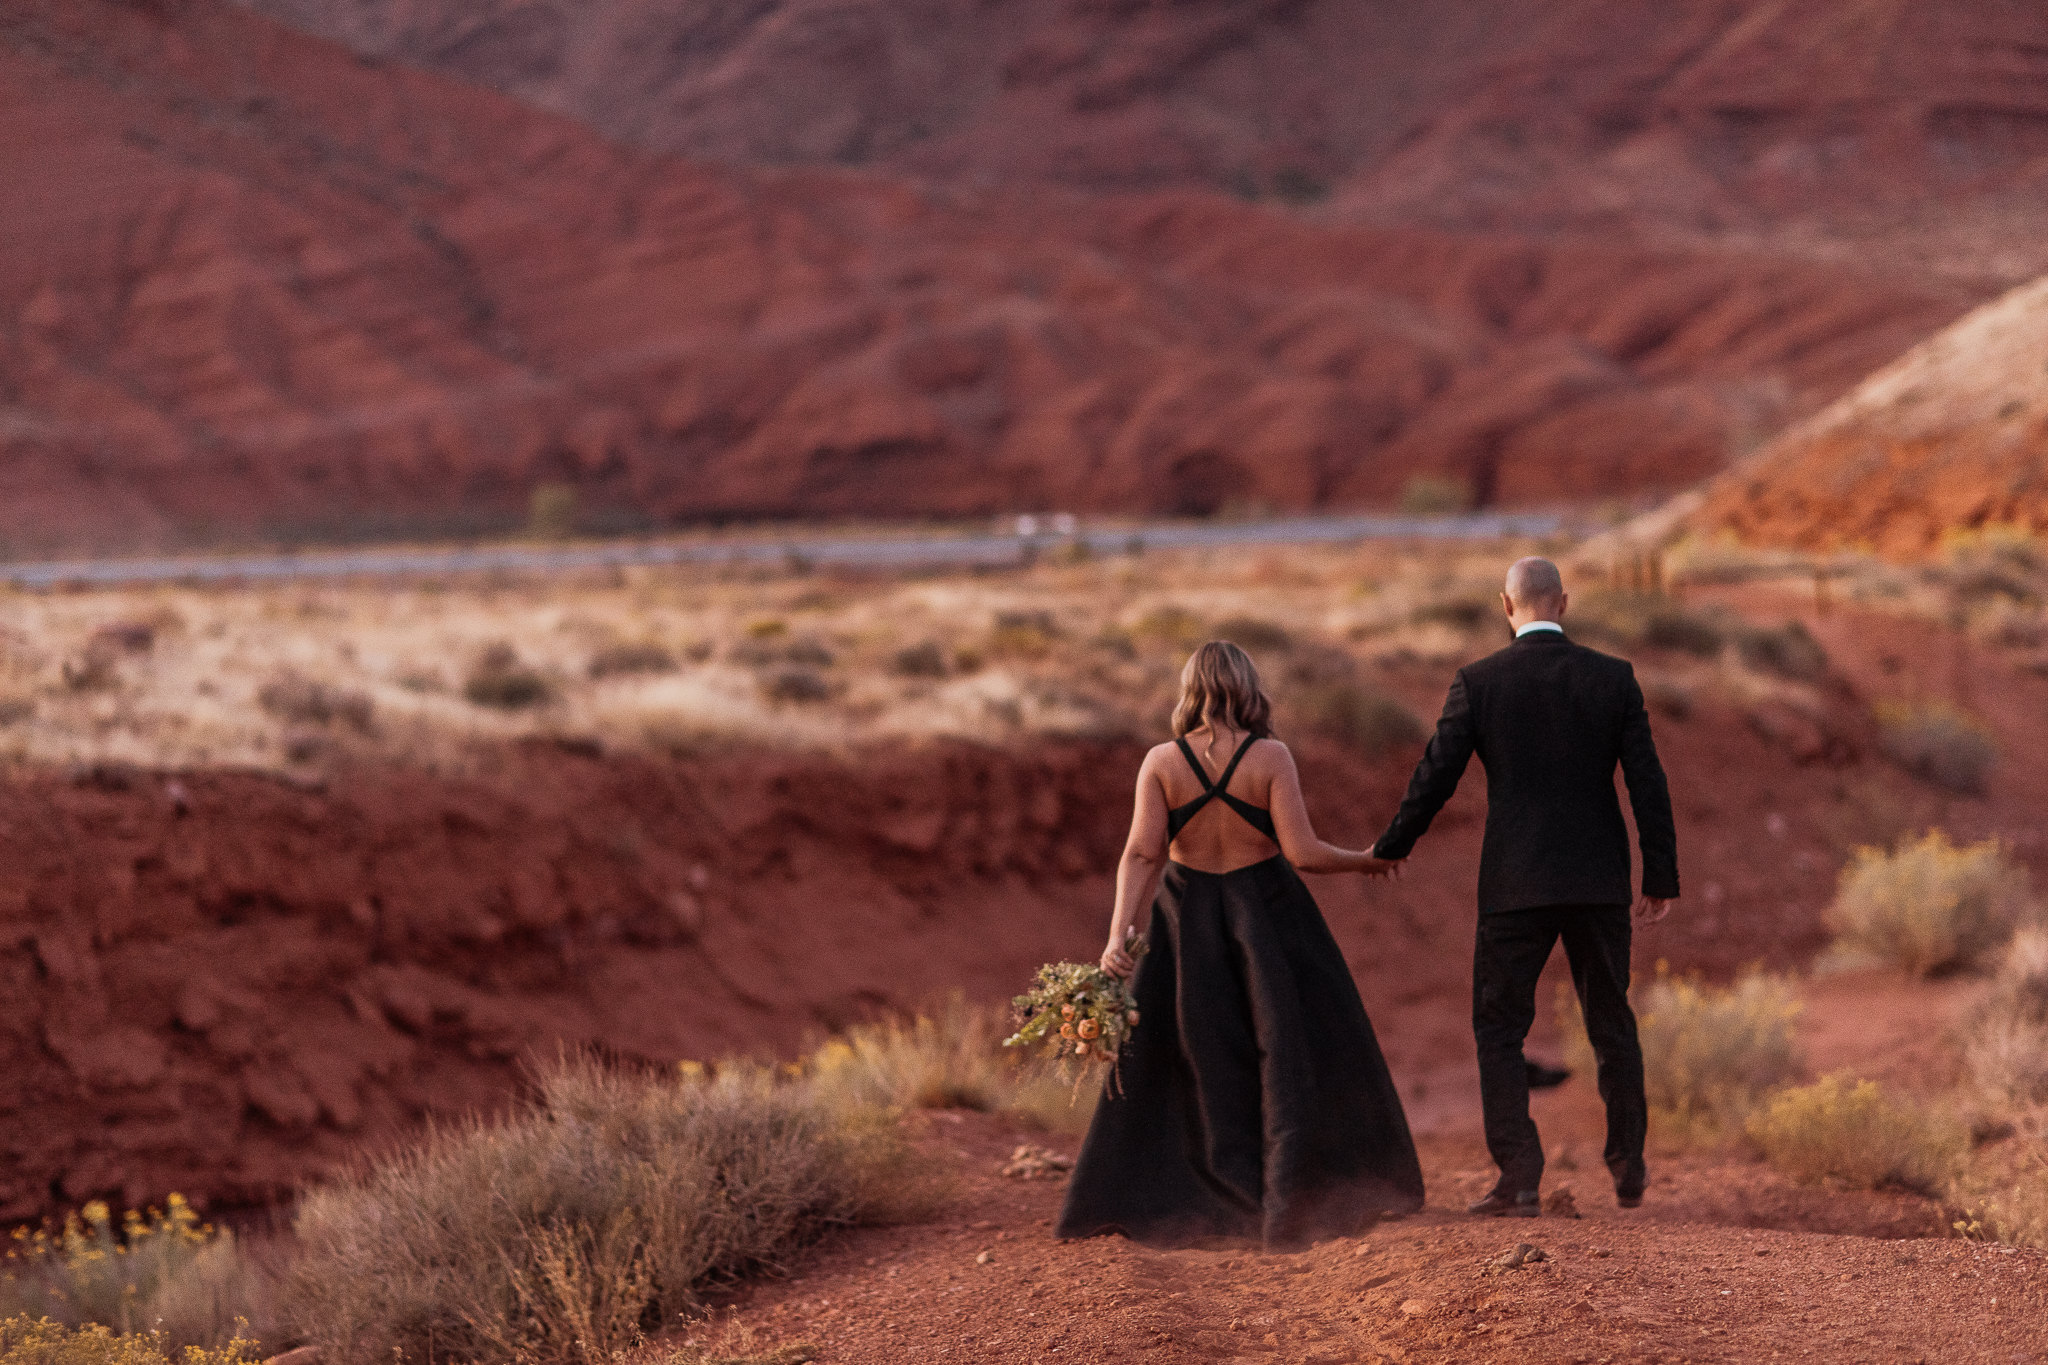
[[1255, 816]]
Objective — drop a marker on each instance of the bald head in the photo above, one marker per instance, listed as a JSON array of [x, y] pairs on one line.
[[1534, 592]]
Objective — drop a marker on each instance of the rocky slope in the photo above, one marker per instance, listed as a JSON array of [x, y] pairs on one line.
[[1952, 437], [266, 289], [1701, 114]]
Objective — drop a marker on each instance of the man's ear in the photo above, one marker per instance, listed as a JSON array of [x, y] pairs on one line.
[[1564, 599], [1507, 606]]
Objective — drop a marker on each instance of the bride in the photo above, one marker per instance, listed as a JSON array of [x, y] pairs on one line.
[[1252, 1100]]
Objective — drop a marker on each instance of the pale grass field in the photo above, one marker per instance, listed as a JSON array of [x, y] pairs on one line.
[[173, 677]]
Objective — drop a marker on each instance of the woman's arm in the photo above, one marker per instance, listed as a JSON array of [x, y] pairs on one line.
[[1138, 871], [1297, 835]]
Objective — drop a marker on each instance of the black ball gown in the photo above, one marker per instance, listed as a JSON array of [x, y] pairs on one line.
[[1251, 1102]]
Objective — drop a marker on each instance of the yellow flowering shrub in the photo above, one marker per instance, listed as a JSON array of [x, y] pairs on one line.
[[39, 1341]]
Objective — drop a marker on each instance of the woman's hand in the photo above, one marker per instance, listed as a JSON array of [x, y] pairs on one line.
[[1376, 866], [1118, 961]]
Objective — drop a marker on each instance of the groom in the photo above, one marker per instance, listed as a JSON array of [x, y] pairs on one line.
[[1550, 720]]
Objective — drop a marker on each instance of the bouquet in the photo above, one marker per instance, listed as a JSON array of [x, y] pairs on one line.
[[1081, 1014]]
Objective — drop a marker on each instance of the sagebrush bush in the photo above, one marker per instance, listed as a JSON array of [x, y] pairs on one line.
[[600, 1212], [1787, 650], [160, 1271], [1708, 1051], [1852, 1132], [294, 698], [500, 680], [1938, 743], [2005, 1040], [620, 660], [1361, 716], [27, 1340], [2010, 1207], [1928, 905], [948, 1058]]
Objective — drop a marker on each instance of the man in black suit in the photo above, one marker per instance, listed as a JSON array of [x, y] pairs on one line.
[[1550, 720]]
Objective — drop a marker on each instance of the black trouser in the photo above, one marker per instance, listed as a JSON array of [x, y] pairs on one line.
[[1512, 947]]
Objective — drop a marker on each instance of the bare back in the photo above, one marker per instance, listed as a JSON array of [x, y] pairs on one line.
[[1217, 838]]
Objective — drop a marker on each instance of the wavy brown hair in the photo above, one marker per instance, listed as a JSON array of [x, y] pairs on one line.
[[1221, 683]]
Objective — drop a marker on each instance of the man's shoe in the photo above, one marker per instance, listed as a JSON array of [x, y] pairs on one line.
[[1528, 1204], [1542, 1077], [1629, 1201]]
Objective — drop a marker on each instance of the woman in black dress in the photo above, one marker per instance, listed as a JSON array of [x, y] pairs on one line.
[[1252, 1100]]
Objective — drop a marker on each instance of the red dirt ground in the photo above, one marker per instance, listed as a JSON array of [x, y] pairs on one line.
[[226, 983], [1704, 1271]]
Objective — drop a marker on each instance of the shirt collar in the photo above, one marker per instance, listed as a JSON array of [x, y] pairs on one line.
[[1539, 625]]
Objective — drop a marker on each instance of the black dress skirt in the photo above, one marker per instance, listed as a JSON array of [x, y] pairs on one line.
[[1252, 1101]]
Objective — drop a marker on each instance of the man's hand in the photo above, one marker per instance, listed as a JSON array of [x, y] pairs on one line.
[[1650, 909], [1376, 866]]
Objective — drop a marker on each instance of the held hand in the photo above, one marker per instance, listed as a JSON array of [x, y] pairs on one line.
[[1118, 961], [1376, 866], [1650, 909]]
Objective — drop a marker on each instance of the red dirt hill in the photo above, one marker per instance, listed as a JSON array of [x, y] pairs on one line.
[[1951, 437], [258, 287]]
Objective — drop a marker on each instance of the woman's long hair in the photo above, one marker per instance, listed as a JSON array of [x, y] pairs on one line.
[[1221, 683]]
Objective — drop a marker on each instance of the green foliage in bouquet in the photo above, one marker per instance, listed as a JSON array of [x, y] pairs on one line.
[[1080, 1016]]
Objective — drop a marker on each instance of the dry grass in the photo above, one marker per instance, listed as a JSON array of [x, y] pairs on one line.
[[280, 676], [161, 1274], [601, 1213], [1928, 905], [2005, 1043], [951, 1057], [1709, 1052], [1854, 1133], [2006, 1206]]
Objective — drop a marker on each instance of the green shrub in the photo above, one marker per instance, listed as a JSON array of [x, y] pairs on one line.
[[1938, 743], [1852, 1132], [1465, 611], [158, 1271], [1022, 635], [1431, 495], [1648, 620], [1174, 626], [1358, 715], [566, 1230], [40, 1341], [1708, 1051], [801, 685], [499, 680], [553, 512], [1928, 906]]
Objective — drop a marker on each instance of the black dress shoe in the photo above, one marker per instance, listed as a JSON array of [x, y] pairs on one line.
[[1543, 1077], [1528, 1204], [1629, 1201]]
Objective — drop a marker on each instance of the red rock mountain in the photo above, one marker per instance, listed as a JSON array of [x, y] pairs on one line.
[[255, 286], [1953, 436]]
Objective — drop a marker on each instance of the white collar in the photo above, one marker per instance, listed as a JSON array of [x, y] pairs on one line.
[[1539, 625]]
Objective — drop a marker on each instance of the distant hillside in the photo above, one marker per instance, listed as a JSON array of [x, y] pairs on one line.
[[1696, 116], [1952, 436], [264, 289]]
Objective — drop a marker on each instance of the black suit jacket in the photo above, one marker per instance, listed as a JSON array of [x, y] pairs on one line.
[[1549, 720]]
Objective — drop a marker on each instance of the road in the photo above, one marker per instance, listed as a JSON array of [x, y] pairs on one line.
[[811, 547]]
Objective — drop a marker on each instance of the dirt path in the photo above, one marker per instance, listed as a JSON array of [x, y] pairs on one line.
[[1674, 1281]]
